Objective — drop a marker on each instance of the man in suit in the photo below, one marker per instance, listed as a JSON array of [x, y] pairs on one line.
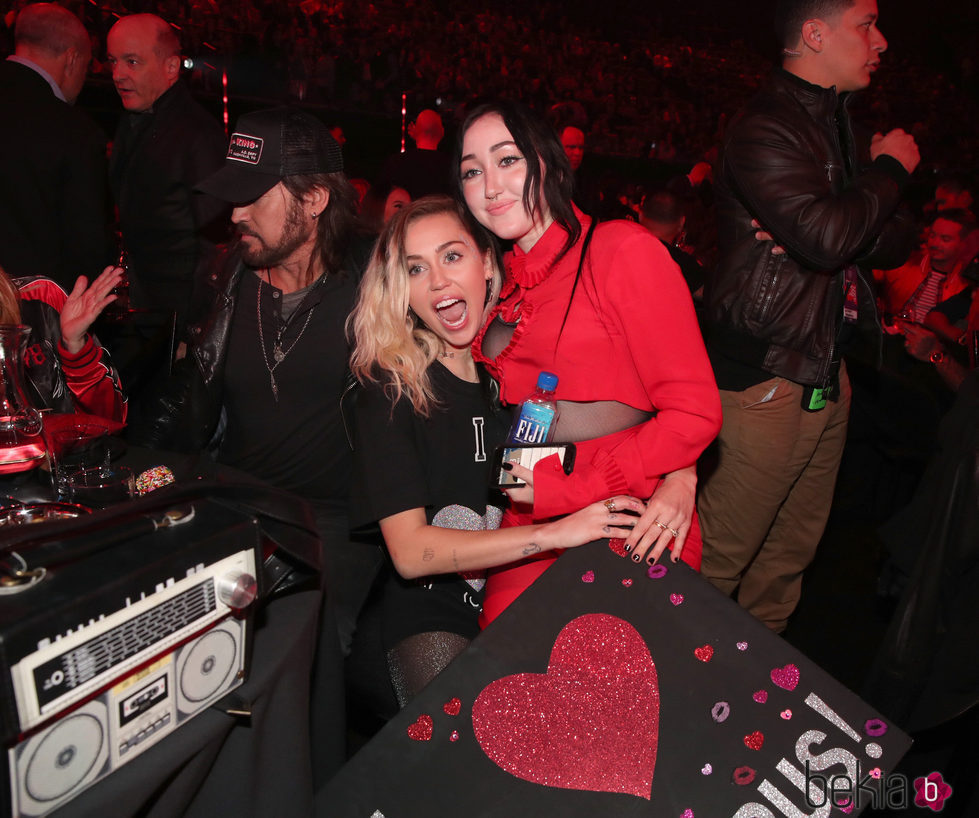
[[53, 211], [164, 145]]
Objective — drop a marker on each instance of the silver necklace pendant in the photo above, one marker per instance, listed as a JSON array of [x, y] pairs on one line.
[[278, 354]]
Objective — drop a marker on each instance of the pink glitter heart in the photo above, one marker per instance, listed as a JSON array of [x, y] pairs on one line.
[[588, 576], [627, 583], [452, 707], [571, 727], [760, 696], [421, 730], [707, 769], [786, 714], [786, 677], [617, 546], [676, 599], [704, 653], [687, 813], [754, 741], [742, 645]]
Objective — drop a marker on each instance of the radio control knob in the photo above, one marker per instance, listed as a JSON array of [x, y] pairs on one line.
[[237, 590]]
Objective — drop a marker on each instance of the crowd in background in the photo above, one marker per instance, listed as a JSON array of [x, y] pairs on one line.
[[641, 81]]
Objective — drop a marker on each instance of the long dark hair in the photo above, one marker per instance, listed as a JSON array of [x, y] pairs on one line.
[[335, 224], [550, 180]]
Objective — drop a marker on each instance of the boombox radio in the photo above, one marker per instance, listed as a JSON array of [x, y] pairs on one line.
[[130, 627]]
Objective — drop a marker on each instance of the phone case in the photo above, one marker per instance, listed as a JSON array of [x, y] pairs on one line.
[[528, 457]]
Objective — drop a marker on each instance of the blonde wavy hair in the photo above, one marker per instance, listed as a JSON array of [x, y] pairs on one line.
[[391, 344]]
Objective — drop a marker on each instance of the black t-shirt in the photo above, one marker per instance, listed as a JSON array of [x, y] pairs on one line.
[[956, 308], [297, 440], [440, 463]]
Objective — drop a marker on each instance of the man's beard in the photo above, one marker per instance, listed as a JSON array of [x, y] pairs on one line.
[[295, 233]]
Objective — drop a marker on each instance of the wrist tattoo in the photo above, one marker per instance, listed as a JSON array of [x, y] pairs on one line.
[[533, 548], [428, 555]]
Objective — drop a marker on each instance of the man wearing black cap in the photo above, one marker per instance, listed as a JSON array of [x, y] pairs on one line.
[[262, 382]]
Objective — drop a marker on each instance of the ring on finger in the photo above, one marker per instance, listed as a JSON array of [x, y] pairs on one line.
[[674, 532], [664, 526], [610, 505]]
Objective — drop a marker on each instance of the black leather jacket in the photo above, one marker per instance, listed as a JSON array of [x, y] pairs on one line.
[[186, 415], [785, 164]]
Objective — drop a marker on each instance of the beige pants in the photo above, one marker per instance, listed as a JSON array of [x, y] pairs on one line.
[[764, 509]]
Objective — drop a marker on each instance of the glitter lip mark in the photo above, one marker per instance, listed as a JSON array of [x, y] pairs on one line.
[[754, 741], [627, 582], [743, 776], [875, 728], [452, 707], [657, 571], [588, 576], [760, 696], [786, 677], [720, 711], [421, 730], [591, 722], [704, 653]]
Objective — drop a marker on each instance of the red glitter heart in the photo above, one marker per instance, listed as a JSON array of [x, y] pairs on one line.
[[786, 677], [617, 544], [676, 599], [573, 726], [452, 707], [760, 696], [755, 740], [421, 730], [588, 576], [704, 653], [627, 582]]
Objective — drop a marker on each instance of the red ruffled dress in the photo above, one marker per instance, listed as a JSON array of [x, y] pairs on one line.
[[631, 336]]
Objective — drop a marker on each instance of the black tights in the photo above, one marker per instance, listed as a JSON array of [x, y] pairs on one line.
[[418, 659]]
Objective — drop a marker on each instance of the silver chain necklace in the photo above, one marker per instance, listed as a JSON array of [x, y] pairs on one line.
[[278, 353]]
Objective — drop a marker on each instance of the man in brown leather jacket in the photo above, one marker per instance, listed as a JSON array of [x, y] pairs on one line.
[[802, 205]]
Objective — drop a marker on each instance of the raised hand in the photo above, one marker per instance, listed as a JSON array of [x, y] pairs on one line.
[[84, 304]]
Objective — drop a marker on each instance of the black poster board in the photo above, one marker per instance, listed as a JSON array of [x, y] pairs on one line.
[[604, 691]]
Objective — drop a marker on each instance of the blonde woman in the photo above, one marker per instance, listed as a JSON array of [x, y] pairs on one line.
[[427, 423]]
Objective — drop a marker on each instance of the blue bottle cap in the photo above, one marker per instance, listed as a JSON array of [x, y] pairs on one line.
[[547, 381]]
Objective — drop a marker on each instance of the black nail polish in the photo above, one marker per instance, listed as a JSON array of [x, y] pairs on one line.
[[508, 467], [636, 558], [627, 548]]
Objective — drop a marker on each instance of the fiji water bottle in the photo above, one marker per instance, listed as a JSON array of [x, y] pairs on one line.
[[535, 421]]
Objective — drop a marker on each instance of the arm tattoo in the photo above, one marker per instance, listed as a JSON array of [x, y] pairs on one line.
[[533, 548], [428, 555]]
